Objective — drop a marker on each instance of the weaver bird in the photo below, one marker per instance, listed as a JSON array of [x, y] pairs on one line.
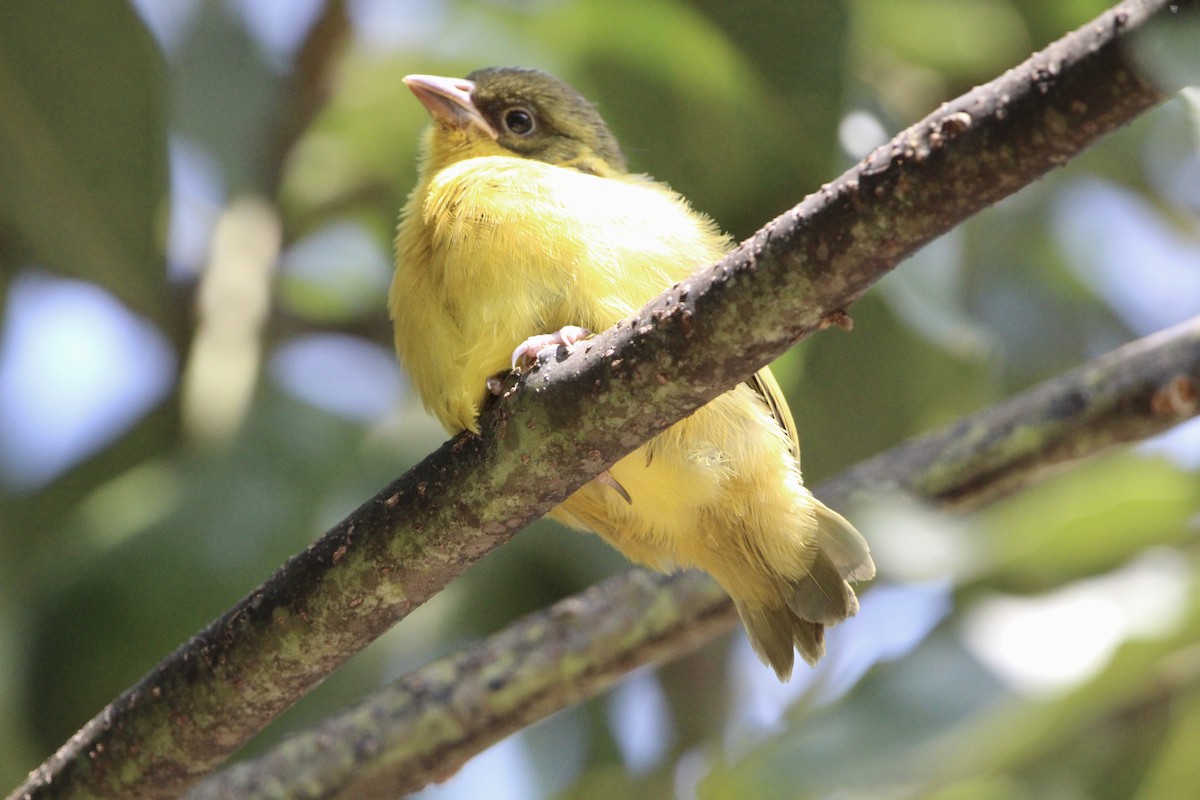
[[525, 231]]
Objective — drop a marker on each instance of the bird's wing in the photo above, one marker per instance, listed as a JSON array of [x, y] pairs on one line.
[[765, 384]]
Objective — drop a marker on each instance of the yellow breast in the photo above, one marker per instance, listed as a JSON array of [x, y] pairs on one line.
[[492, 250]]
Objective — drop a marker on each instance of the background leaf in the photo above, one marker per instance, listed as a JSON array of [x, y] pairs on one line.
[[83, 158]]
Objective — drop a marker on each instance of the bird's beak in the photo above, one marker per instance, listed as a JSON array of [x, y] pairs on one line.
[[449, 102]]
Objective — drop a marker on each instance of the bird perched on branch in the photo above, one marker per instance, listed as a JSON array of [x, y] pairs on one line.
[[526, 231]]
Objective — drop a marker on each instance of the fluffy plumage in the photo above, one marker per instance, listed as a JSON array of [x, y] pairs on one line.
[[525, 220]]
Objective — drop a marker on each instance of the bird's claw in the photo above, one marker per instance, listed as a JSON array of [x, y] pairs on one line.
[[606, 479], [531, 349]]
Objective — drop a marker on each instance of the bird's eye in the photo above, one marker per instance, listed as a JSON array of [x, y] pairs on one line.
[[518, 121]]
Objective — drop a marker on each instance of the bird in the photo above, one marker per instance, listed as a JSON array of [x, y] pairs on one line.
[[526, 231]]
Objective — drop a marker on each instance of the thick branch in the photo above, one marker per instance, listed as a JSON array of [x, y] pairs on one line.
[[575, 418], [428, 723]]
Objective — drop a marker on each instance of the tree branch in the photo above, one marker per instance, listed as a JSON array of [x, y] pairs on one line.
[[427, 724], [307, 86], [1125, 396], [575, 418]]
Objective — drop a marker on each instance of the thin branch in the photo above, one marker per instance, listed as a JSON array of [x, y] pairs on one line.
[[1128, 395], [427, 724], [575, 418], [307, 86]]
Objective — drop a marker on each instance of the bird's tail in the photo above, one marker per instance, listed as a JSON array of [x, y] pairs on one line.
[[823, 596]]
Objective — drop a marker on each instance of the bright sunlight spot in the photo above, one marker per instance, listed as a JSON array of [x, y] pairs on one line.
[[76, 369], [1045, 644]]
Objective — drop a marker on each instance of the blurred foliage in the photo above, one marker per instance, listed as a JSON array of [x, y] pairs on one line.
[[744, 107], [74, 85]]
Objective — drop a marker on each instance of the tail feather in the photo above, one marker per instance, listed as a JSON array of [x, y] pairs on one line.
[[843, 545], [822, 596], [777, 633]]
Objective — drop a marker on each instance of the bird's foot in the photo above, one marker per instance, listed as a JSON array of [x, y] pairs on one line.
[[528, 352]]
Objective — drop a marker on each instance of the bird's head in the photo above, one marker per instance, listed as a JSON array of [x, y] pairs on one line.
[[515, 112]]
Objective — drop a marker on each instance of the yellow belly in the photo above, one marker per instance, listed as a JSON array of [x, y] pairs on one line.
[[719, 491]]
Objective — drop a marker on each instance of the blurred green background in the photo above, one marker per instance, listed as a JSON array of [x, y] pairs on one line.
[[196, 205]]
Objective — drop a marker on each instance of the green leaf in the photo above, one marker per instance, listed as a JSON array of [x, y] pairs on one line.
[[1176, 770], [1088, 520], [83, 156]]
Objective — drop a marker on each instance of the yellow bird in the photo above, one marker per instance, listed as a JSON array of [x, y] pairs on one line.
[[526, 231]]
